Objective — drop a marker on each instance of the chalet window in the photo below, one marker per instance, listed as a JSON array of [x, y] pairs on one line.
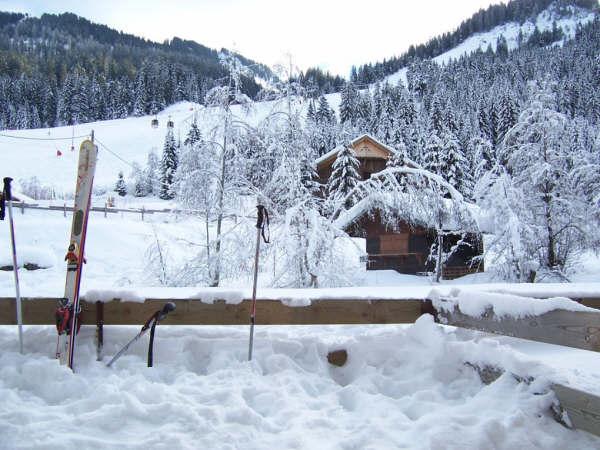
[[373, 246], [418, 244]]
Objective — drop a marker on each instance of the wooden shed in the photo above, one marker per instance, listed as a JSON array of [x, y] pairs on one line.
[[400, 246]]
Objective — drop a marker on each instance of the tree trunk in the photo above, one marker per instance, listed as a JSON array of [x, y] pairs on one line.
[[439, 264], [206, 223], [217, 274]]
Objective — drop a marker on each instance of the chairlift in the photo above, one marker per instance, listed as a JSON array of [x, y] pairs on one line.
[[155, 122]]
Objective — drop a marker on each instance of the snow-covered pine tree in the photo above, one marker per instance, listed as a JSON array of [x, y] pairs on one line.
[[506, 117], [152, 174], [121, 186], [432, 157], [168, 166], [454, 164], [344, 177], [325, 126], [194, 135], [349, 103], [139, 182]]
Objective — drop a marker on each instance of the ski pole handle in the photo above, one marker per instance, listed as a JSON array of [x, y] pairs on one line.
[[260, 218], [7, 189], [166, 310]]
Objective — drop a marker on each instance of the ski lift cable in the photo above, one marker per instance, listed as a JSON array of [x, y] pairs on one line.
[[27, 138], [115, 154]]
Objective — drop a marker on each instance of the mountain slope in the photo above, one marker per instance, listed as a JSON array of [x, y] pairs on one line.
[[482, 22], [514, 34]]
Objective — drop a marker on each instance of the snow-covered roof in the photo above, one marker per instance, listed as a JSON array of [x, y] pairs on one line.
[[371, 203], [330, 154]]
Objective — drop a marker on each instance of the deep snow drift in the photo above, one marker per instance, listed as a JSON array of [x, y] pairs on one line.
[[403, 387]]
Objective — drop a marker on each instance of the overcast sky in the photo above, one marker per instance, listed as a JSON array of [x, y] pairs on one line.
[[331, 34]]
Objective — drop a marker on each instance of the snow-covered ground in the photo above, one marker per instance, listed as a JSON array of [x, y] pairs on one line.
[[402, 387], [117, 265]]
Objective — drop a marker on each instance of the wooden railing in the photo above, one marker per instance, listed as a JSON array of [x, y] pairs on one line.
[[106, 209]]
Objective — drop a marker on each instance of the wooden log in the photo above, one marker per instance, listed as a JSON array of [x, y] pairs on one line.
[[591, 302], [337, 357], [576, 329], [582, 408]]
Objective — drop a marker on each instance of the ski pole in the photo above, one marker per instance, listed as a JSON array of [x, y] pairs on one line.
[[151, 322], [7, 198], [263, 217], [160, 316]]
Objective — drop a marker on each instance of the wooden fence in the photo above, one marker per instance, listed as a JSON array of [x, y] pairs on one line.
[[578, 329], [64, 208]]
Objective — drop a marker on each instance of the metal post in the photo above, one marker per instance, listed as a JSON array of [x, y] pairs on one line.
[[253, 312], [8, 199], [261, 217]]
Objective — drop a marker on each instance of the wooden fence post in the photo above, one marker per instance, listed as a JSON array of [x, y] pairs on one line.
[[143, 213], [99, 330], [105, 208], [65, 209]]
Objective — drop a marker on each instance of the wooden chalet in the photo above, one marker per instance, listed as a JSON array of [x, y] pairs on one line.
[[401, 247]]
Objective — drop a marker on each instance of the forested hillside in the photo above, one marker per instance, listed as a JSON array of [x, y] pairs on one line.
[[63, 69]]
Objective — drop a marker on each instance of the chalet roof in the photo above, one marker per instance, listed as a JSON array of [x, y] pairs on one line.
[[371, 203], [332, 154]]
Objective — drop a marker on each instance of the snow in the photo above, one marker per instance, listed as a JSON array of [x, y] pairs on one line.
[[402, 387], [41, 257], [481, 41], [476, 304]]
